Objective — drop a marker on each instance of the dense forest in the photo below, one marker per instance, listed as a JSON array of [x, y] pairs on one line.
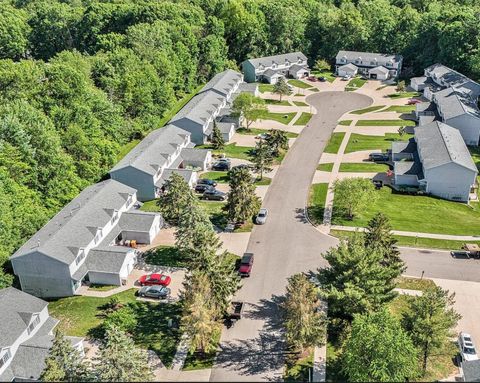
[[81, 78]]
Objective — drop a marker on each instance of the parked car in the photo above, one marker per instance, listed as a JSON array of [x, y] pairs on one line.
[[262, 136], [234, 313], [214, 195], [346, 77], [202, 188], [155, 279], [261, 216], [221, 166], [312, 78], [378, 157], [224, 159], [158, 292], [246, 264], [206, 181], [414, 101], [322, 79], [469, 250], [467, 348]]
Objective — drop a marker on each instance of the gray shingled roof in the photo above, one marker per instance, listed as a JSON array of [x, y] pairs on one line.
[[418, 80], [409, 146], [16, 310], [297, 67], [185, 173], [440, 144], [471, 370], [267, 61], [200, 108], [153, 151], [455, 79], [380, 69], [248, 87], [223, 82], [348, 67], [454, 102], [136, 220], [107, 259], [413, 168], [76, 224], [368, 56], [192, 154]]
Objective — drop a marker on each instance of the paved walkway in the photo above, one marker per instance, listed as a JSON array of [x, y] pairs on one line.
[[413, 293], [253, 349], [181, 354]]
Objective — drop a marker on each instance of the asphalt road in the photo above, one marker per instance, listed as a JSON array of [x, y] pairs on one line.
[[252, 350]]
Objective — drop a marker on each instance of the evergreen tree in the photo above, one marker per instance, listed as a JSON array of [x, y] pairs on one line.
[[217, 140], [430, 321], [305, 324], [356, 280], [262, 159], [378, 236], [378, 350], [401, 86], [242, 202], [281, 88], [177, 198], [64, 363], [277, 140], [120, 360]]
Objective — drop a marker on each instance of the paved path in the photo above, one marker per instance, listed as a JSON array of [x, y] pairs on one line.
[[252, 350]]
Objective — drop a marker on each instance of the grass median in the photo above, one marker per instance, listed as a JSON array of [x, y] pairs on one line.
[[360, 142]]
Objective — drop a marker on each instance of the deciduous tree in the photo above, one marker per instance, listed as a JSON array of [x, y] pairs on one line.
[[249, 107], [352, 195], [321, 65]]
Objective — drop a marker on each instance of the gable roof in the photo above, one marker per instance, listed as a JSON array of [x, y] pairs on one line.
[[440, 144], [223, 82], [76, 224], [153, 151], [379, 69], [454, 79], [200, 108], [368, 56], [348, 67], [453, 102], [16, 310], [267, 61]]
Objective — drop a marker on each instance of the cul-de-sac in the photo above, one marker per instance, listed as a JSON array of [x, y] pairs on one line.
[[239, 190]]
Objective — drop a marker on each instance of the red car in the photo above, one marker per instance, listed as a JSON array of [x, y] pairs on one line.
[[246, 265], [414, 101], [155, 279]]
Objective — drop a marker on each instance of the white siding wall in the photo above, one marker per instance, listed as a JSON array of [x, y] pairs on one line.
[[468, 126], [450, 181], [408, 180]]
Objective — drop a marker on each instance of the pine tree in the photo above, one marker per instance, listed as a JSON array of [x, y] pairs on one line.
[[64, 362], [281, 88], [305, 324], [120, 360], [356, 281], [262, 159], [242, 202], [178, 197], [277, 140], [217, 140], [379, 236], [430, 321]]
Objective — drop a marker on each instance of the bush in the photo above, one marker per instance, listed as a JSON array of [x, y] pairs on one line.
[[124, 319]]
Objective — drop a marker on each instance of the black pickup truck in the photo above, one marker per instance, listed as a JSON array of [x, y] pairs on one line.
[[234, 313]]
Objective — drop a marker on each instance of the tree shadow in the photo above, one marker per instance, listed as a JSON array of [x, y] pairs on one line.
[[301, 216]]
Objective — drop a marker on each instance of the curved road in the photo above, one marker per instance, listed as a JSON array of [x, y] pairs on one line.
[[252, 350]]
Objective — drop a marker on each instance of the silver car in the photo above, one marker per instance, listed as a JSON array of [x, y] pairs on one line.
[[261, 216], [156, 291]]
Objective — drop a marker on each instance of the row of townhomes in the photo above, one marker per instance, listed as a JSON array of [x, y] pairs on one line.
[[437, 159], [26, 336], [377, 66], [270, 69], [93, 239]]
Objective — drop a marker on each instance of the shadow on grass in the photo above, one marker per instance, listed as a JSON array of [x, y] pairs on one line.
[[165, 256]]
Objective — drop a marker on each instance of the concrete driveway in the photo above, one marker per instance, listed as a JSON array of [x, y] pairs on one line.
[[253, 349]]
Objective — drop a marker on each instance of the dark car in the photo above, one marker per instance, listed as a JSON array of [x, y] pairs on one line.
[[158, 292], [214, 195], [246, 264], [322, 79], [202, 188], [206, 181], [221, 166], [378, 157]]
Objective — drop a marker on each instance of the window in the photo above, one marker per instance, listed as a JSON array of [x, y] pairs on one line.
[[4, 359], [98, 235], [34, 324], [389, 64], [274, 65], [373, 63], [115, 217], [357, 62], [129, 200], [80, 257]]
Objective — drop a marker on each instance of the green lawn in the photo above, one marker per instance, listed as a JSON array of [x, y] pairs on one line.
[[334, 143], [218, 217], [345, 122], [283, 118], [197, 361], [265, 88], [316, 202], [313, 89], [222, 177], [300, 103], [270, 101], [426, 243], [299, 84], [355, 83], [329, 75], [165, 256], [325, 167], [400, 108], [368, 110], [101, 287], [150, 206], [385, 123], [414, 283], [256, 131], [230, 150], [82, 316], [404, 95], [359, 142], [363, 167], [418, 213], [303, 119]]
